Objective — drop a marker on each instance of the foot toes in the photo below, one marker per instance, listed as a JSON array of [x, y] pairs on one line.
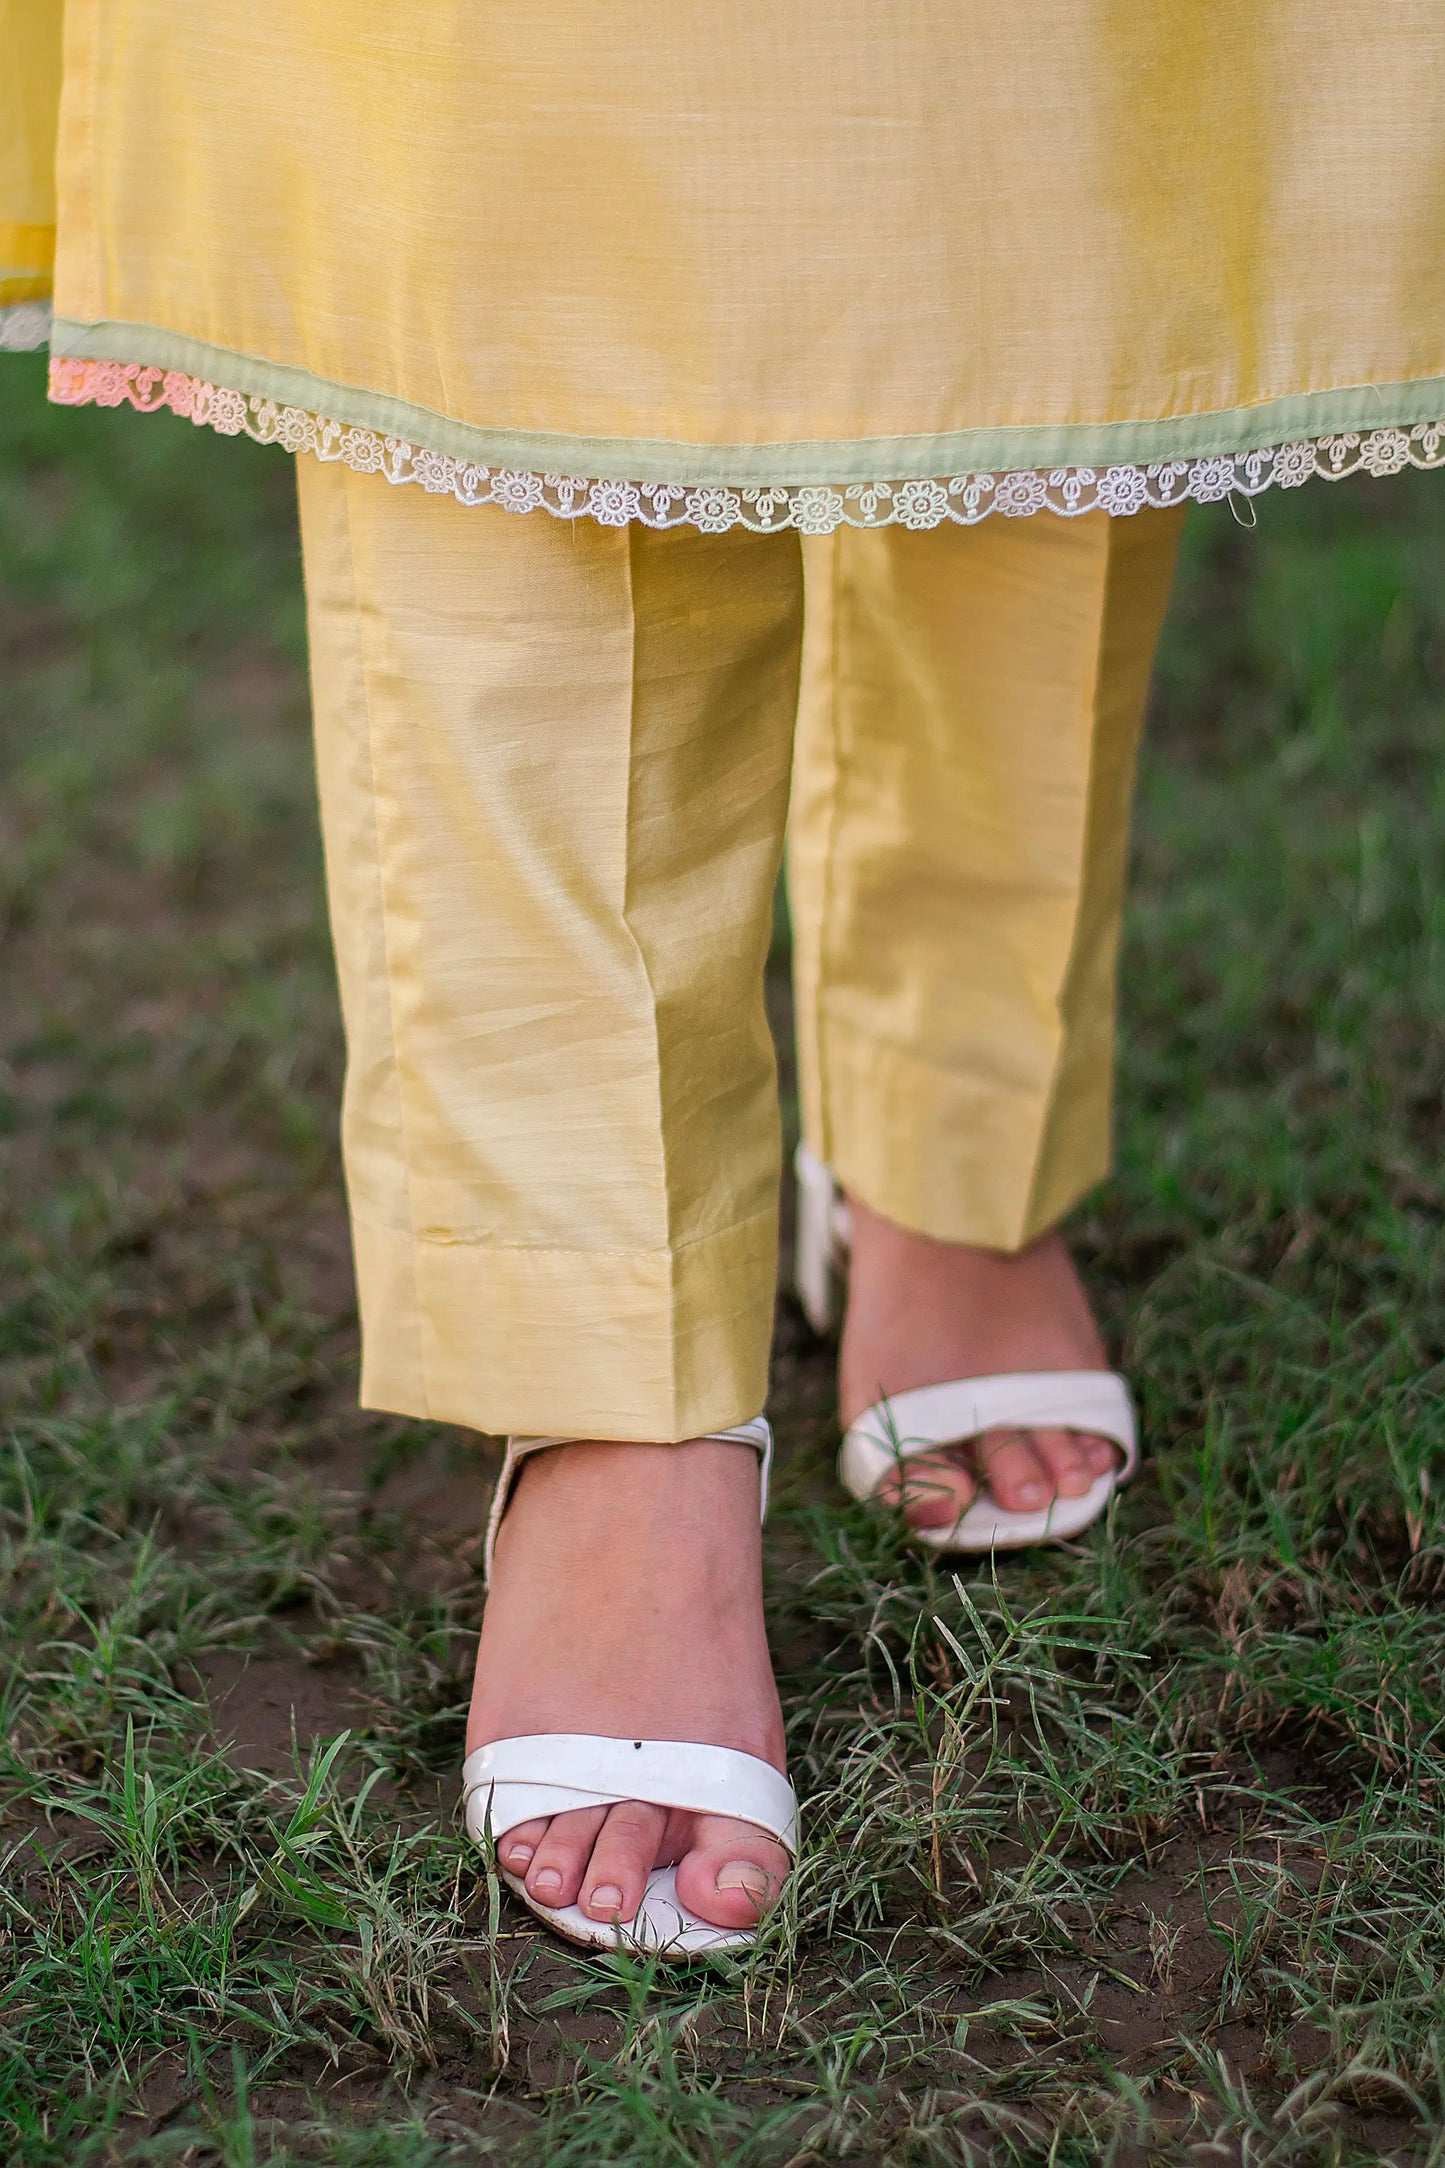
[[623, 1856], [519, 1846], [1013, 1470], [1027, 1469], [1068, 1460], [600, 1858], [934, 1489], [560, 1860], [732, 1873], [1102, 1454]]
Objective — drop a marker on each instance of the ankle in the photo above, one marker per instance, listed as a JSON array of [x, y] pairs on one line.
[[627, 1599], [583, 1514], [618, 1476]]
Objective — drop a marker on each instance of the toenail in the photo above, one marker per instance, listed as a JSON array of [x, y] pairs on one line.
[[519, 1854], [745, 1874], [545, 1883], [607, 1900], [1032, 1494]]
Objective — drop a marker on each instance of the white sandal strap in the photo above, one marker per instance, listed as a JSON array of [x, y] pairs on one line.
[[522, 1780], [758, 1434], [1096, 1401], [822, 1235]]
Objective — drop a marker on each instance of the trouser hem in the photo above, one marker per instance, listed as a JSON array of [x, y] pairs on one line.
[[961, 1158], [651, 1345]]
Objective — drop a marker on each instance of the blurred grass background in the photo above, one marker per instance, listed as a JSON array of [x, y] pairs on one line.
[[1134, 1853]]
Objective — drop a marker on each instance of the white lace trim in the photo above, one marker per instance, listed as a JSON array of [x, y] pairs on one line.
[[810, 508], [24, 327]]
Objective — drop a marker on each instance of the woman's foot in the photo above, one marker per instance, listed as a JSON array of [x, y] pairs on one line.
[[627, 1600], [921, 1312]]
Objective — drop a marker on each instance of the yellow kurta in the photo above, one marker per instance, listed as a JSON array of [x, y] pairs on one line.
[[761, 246], [29, 103]]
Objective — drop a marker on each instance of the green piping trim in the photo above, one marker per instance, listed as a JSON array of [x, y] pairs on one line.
[[855, 459]]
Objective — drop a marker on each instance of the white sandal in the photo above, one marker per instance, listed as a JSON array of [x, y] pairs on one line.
[[899, 1429], [523, 1780]]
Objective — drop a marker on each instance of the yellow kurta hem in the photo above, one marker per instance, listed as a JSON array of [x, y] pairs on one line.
[[1086, 255], [1175, 439], [811, 508]]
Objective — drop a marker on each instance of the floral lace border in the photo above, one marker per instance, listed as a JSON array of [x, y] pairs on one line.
[[810, 508]]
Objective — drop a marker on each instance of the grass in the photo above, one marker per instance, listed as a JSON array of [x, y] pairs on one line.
[[1133, 1853]]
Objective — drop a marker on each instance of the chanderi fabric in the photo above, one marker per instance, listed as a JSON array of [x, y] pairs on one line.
[[555, 771], [768, 264], [29, 105]]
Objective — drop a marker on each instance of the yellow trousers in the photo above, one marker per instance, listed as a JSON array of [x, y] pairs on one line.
[[555, 763]]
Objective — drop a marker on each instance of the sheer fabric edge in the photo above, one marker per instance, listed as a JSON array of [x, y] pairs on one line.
[[24, 327]]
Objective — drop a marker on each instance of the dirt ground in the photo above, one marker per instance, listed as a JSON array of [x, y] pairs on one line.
[[1131, 1852]]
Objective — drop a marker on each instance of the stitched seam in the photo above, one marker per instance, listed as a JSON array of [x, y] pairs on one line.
[[379, 875], [667, 1249], [1090, 723], [827, 879], [451, 1239], [1032, 455]]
